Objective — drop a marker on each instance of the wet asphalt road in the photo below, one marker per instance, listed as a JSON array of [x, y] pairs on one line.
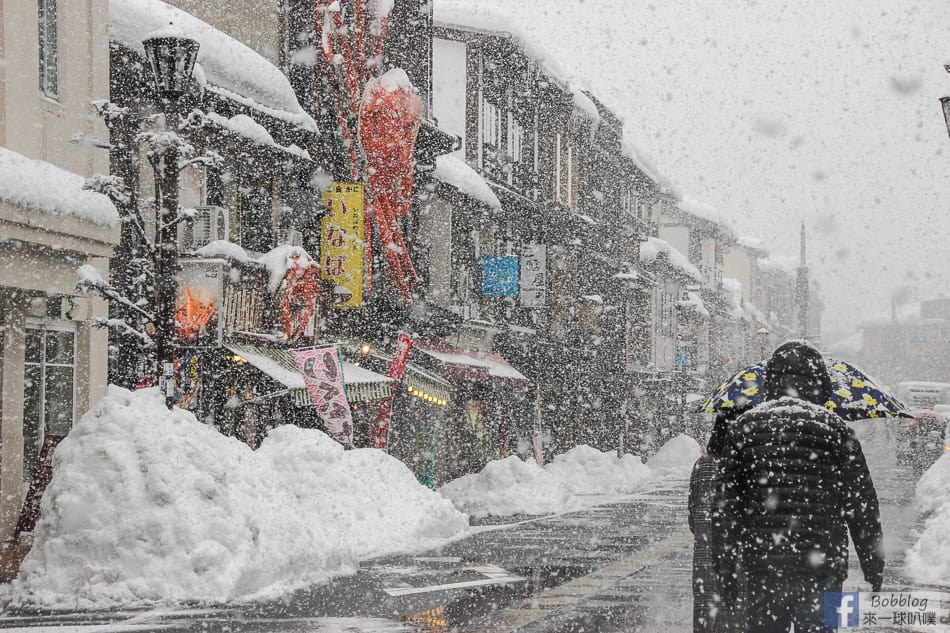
[[621, 565]]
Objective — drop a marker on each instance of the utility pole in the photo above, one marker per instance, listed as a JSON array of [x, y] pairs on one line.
[[801, 298]]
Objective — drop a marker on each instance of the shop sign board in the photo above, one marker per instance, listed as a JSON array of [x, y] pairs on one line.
[[198, 300], [534, 276], [342, 242], [397, 368], [499, 276], [323, 375]]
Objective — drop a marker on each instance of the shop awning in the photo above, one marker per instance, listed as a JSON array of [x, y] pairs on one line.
[[471, 366], [362, 385]]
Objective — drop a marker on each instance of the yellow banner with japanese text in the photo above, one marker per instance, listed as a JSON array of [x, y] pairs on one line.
[[342, 244]]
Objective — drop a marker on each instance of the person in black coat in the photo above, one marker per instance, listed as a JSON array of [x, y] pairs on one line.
[[794, 482], [709, 613]]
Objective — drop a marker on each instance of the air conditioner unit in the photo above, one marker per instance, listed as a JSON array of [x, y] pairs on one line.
[[290, 237], [207, 225]]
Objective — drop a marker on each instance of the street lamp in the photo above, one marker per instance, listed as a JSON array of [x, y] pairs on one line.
[[171, 57]]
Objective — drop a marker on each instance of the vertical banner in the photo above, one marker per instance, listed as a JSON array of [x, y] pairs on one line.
[[323, 375], [397, 368], [534, 276], [341, 243]]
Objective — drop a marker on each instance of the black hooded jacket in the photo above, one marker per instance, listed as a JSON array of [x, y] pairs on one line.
[[794, 481]]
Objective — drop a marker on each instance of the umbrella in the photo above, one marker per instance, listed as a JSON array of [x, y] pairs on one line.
[[854, 395]]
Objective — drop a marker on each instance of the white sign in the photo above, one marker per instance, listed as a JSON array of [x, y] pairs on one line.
[[708, 263], [534, 276]]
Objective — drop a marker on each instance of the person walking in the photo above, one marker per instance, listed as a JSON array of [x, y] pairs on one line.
[[794, 481], [709, 614]]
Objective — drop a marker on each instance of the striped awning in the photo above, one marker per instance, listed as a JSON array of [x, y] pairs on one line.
[[361, 384]]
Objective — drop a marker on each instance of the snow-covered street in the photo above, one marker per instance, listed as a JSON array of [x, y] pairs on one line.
[[622, 563]]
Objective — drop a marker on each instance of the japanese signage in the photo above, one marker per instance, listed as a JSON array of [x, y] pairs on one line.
[[534, 276], [323, 375], [396, 369], [341, 243], [499, 276]]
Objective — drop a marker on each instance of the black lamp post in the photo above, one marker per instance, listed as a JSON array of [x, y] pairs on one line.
[[171, 57]]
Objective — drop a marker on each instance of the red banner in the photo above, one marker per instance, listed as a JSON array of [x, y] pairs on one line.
[[396, 369], [323, 374]]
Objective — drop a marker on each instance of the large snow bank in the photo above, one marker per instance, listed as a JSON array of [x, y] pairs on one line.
[[234, 69], [150, 506], [928, 561], [585, 470], [676, 457], [456, 172], [39, 185], [509, 486]]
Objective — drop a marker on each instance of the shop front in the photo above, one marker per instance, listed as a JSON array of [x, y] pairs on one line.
[[492, 416]]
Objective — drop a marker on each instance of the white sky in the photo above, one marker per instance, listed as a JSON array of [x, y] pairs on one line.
[[818, 109]]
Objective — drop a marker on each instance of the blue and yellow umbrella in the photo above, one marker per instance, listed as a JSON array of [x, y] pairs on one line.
[[854, 395]]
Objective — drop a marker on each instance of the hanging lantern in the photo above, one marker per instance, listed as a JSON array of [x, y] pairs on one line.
[[171, 56]]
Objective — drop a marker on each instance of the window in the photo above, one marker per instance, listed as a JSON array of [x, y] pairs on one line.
[[491, 137], [566, 171], [48, 48], [49, 379]]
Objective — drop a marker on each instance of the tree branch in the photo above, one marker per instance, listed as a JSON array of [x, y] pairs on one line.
[[121, 325]]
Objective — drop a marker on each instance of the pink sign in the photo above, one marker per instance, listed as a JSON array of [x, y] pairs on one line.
[[323, 375]]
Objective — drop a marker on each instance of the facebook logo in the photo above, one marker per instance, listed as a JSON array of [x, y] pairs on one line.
[[841, 609]]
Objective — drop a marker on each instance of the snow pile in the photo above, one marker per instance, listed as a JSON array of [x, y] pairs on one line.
[[928, 561], [150, 506], [676, 457], [587, 471], [509, 486], [39, 185], [456, 172], [232, 69]]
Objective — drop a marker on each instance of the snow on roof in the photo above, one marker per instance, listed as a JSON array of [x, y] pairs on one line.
[[245, 126], [780, 263], [643, 162], [223, 249], [456, 172], [496, 366], [750, 242], [492, 18], [654, 246], [585, 104], [278, 364], [235, 70], [495, 19], [279, 259], [704, 211], [848, 346], [694, 301], [42, 186]]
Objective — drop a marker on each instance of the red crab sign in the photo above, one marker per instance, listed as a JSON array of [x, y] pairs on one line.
[[298, 293], [378, 114]]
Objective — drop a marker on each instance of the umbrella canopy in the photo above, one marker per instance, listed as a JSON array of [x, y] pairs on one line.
[[854, 395]]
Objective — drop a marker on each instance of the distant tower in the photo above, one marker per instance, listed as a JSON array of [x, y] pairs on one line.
[[801, 298]]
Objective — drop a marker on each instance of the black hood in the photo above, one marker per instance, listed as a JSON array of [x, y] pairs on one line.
[[798, 370]]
